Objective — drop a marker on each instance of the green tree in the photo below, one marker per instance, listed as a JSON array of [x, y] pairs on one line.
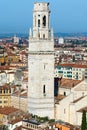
[[83, 125]]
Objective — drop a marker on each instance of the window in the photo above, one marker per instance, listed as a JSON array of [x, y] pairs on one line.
[[43, 36], [38, 22], [64, 93], [44, 66], [5, 101], [39, 35], [35, 21], [44, 90], [6, 91], [44, 21], [0, 101], [64, 111]]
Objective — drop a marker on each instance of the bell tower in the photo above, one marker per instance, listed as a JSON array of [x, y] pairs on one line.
[[41, 63], [41, 15]]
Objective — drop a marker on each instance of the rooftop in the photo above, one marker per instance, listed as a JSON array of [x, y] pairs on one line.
[[5, 87], [82, 109], [75, 101], [8, 110], [73, 65], [18, 128], [32, 122], [58, 98], [16, 120], [81, 86], [68, 83]]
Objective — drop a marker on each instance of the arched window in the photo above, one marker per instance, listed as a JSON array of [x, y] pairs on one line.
[[39, 35], [35, 21], [43, 36], [44, 20]]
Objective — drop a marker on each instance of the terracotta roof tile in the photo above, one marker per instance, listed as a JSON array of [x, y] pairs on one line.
[[68, 83], [8, 110], [4, 87], [73, 65], [25, 79], [16, 120]]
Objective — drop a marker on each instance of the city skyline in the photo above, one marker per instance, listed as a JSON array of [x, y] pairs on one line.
[[66, 16]]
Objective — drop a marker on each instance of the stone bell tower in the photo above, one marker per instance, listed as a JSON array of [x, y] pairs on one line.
[[41, 63]]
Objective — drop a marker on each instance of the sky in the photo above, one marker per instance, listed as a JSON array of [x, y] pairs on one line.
[[66, 15]]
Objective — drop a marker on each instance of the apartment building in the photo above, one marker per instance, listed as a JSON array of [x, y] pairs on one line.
[[70, 71], [5, 97], [19, 100]]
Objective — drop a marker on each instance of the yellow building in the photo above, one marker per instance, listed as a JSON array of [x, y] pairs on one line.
[[13, 58], [5, 97], [2, 59]]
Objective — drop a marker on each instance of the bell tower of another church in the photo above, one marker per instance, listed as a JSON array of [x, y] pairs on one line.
[[41, 63]]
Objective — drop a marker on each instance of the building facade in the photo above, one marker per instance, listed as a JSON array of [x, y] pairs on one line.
[[5, 96], [70, 71], [70, 108], [41, 63]]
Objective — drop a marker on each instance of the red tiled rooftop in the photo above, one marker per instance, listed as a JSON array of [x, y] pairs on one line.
[[16, 120], [24, 94], [68, 125], [20, 93], [8, 110], [60, 97], [68, 83], [12, 54], [4, 87], [73, 65], [4, 67], [25, 79]]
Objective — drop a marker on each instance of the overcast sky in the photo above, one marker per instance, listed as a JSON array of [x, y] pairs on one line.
[[66, 15]]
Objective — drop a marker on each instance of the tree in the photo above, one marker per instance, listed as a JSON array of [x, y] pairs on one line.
[[83, 125], [3, 127]]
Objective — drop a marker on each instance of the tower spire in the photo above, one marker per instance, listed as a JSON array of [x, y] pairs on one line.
[[30, 33], [52, 35]]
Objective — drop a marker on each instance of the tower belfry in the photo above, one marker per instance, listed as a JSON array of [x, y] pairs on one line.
[[41, 63]]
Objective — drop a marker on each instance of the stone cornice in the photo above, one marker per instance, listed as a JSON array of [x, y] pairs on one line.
[[41, 52]]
